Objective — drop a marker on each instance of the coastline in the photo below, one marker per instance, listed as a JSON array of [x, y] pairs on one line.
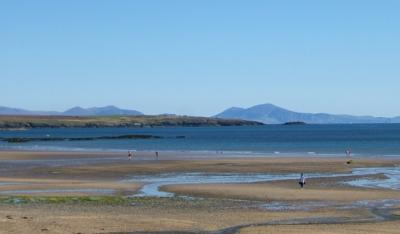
[[16, 154]]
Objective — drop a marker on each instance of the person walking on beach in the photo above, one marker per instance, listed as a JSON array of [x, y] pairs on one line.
[[156, 155], [129, 155], [302, 180], [348, 153]]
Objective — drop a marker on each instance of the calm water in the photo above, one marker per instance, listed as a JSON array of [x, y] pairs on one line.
[[368, 139]]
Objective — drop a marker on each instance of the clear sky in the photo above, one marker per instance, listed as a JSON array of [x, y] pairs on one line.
[[200, 57]]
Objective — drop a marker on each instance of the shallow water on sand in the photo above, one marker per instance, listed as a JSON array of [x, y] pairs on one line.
[[154, 182], [392, 181], [13, 165], [9, 183]]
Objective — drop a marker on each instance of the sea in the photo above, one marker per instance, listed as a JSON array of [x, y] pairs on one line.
[[360, 139]]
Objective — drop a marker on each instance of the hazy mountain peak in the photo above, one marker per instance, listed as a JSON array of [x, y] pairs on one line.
[[272, 114], [111, 107], [100, 111], [75, 108], [235, 109], [17, 111], [266, 105], [74, 111]]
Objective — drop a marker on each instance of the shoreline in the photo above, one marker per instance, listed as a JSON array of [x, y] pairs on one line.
[[115, 166], [210, 153]]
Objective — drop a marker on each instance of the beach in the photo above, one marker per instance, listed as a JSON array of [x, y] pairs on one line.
[[194, 192], [199, 117]]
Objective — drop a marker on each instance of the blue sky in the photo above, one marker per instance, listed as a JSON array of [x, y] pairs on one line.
[[200, 57]]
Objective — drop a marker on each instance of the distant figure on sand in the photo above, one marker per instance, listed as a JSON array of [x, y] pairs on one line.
[[302, 180], [348, 152], [156, 155], [129, 155]]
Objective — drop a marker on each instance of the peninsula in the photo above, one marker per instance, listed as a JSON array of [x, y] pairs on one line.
[[26, 122]]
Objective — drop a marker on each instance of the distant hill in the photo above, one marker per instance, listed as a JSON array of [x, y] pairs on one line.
[[15, 111], [271, 114], [100, 111], [75, 111]]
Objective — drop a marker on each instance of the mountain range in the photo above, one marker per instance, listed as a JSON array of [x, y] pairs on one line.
[[265, 113], [271, 114], [75, 111]]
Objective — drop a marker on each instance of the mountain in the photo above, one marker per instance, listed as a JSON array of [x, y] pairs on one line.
[[100, 111], [16, 111], [271, 114], [75, 111], [265, 113]]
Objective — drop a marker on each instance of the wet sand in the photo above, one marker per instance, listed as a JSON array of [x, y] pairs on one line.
[[114, 165], [267, 192], [54, 187], [218, 210]]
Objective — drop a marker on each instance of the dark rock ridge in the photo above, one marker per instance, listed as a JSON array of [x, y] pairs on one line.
[[271, 114], [132, 137], [295, 123]]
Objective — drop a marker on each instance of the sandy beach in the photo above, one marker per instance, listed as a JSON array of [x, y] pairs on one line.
[[95, 192]]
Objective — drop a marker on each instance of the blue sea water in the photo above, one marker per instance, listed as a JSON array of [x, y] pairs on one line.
[[362, 139]]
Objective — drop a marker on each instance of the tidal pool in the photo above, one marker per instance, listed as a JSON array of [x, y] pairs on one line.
[[154, 182], [392, 181]]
